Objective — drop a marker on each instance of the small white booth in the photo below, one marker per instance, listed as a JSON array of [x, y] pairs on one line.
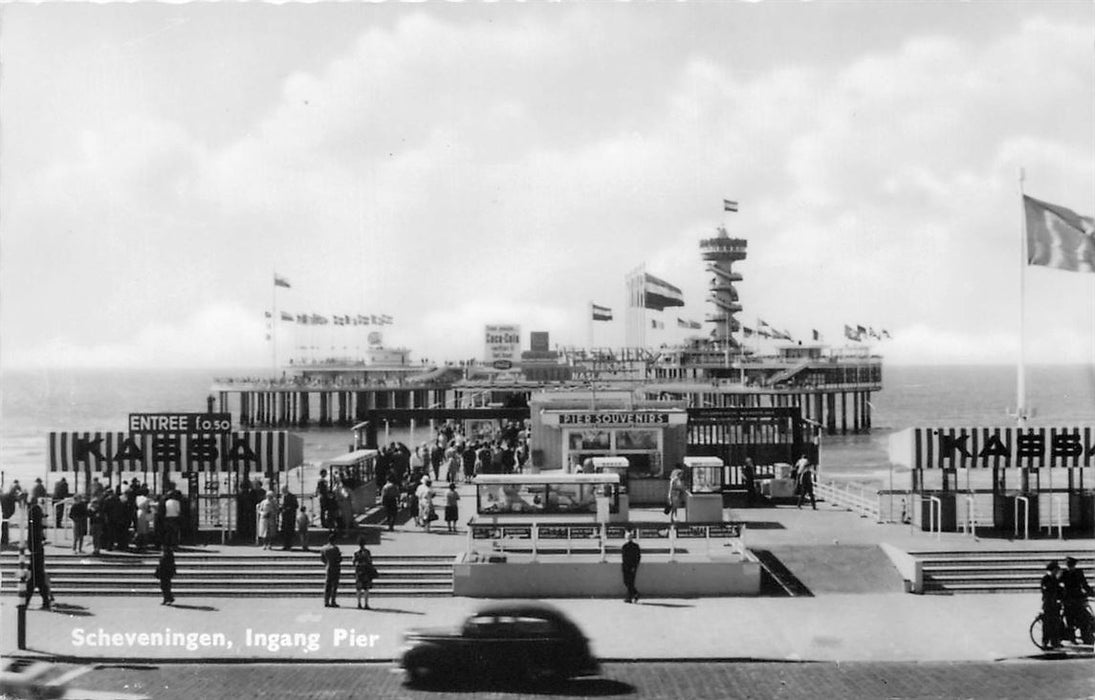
[[618, 466], [704, 479]]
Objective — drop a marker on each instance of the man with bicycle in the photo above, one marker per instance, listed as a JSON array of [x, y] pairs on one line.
[[1075, 594], [1052, 627]]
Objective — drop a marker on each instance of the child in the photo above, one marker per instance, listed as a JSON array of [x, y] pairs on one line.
[[302, 527]]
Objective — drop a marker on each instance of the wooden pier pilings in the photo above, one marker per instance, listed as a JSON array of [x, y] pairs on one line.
[[834, 411]]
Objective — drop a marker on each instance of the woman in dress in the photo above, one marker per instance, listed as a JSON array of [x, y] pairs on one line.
[[364, 573], [676, 493], [267, 516], [425, 503], [452, 498]]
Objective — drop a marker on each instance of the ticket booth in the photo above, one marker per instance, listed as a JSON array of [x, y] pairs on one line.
[[618, 466], [703, 478]]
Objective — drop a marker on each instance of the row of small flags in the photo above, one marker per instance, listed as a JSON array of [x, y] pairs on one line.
[[859, 333], [346, 320]]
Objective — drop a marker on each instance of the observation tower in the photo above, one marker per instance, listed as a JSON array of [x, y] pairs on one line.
[[721, 252]]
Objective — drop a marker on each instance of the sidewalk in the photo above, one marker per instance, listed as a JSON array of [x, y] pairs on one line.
[[853, 627], [874, 624]]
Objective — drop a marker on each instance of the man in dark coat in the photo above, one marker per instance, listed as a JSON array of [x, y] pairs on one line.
[[331, 556], [1076, 592], [60, 493], [36, 535], [632, 555], [1051, 607], [288, 519]]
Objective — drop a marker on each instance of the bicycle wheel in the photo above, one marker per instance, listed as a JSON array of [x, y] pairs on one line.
[[1036, 631]]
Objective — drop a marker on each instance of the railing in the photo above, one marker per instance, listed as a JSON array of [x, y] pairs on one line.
[[534, 536], [969, 525], [1056, 518], [1026, 516], [935, 515], [853, 497]]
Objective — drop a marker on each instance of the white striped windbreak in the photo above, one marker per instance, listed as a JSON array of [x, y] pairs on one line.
[[108, 451]]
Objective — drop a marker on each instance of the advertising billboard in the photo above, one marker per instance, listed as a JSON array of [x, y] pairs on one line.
[[502, 342]]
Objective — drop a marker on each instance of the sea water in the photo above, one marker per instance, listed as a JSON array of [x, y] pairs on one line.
[[33, 403]]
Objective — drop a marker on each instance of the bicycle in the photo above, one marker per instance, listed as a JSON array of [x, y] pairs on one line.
[[1036, 630]]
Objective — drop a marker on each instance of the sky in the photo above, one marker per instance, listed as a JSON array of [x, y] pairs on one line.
[[458, 165]]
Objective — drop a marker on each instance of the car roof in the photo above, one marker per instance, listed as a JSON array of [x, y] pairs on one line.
[[514, 608]]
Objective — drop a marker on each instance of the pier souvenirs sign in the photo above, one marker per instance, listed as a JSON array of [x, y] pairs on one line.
[[962, 448], [255, 451]]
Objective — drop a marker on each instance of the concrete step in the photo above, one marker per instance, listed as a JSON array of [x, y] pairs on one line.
[[231, 575], [992, 571]]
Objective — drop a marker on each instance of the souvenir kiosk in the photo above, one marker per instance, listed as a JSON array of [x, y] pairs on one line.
[[570, 428], [704, 479]]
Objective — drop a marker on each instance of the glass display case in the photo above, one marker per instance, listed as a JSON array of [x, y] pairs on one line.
[[545, 494], [703, 474]]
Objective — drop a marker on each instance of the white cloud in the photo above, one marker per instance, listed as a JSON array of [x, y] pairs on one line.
[[455, 174]]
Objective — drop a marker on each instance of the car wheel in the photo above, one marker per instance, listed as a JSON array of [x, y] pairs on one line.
[[416, 674]]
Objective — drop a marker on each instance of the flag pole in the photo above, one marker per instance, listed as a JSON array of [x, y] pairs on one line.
[[589, 319], [1021, 370], [274, 323]]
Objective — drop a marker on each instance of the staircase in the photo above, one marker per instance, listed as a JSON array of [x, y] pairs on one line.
[[993, 571], [231, 575]]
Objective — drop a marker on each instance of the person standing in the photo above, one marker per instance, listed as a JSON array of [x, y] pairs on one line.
[[632, 555], [676, 493], [323, 495], [8, 499], [60, 493], [36, 536], [1051, 606], [288, 512], [425, 503], [165, 572], [364, 573], [1076, 591], [266, 513], [749, 475], [303, 521], [331, 556], [172, 513], [389, 498], [452, 508], [78, 515], [806, 486], [95, 525]]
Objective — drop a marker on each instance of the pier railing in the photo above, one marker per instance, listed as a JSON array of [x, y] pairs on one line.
[[854, 497]]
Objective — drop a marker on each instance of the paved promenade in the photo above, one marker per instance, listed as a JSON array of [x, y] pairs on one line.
[[876, 623]]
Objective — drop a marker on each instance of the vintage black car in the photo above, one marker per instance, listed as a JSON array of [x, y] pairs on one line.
[[525, 641]]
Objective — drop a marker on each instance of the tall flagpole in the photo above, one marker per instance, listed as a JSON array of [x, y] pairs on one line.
[[274, 322], [1021, 371], [590, 319]]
